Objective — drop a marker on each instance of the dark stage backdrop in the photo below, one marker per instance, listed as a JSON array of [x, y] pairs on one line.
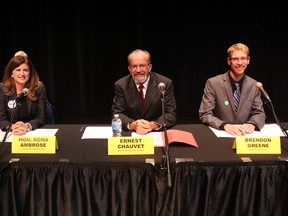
[[80, 48]]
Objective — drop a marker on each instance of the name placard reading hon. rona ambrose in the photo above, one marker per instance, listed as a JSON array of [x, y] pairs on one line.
[[34, 145], [257, 145], [129, 145]]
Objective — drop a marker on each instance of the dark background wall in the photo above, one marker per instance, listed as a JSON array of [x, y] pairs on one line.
[[80, 48]]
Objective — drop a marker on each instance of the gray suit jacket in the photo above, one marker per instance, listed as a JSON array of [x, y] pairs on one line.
[[217, 103], [127, 102]]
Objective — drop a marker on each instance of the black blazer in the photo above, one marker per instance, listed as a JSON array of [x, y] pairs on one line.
[[127, 102], [36, 108]]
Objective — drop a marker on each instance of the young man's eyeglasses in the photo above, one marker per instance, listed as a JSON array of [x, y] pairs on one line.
[[242, 59]]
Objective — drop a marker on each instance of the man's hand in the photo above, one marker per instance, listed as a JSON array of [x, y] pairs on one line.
[[248, 128], [142, 126], [239, 130]]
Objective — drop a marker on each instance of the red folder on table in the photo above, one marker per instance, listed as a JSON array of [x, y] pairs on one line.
[[180, 136]]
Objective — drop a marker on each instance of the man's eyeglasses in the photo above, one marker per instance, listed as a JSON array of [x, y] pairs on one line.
[[141, 66], [242, 59]]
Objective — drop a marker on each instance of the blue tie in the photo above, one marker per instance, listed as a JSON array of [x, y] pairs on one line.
[[236, 95]]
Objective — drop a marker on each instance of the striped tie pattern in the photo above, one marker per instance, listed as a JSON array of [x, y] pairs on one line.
[[236, 95]]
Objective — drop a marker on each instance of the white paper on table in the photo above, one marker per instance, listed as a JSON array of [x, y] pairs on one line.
[[267, 130], [272, 130], [96, 132], [8, 138], [158, 141], [42, 132], [37, 132]]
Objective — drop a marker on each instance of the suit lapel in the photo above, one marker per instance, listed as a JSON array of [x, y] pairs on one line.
[[229, 92], [29, 104], [135, 96], [244, 91], [228, 89], [151, 92]]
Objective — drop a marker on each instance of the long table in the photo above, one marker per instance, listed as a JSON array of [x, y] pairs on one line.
[[82, 179]]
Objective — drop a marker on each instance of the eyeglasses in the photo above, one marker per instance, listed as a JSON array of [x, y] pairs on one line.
[[141, 66], [242, 59]]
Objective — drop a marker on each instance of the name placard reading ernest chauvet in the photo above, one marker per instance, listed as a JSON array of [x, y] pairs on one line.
[[140, 145], [34, 144], [257, 145]]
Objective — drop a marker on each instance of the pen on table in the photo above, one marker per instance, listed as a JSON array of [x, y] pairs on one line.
[[81, 129]]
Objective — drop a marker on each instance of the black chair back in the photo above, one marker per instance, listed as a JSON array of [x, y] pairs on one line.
[[49, 115]]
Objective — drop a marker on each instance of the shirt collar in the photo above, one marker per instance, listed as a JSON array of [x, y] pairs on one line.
[[232, 81], [145, 84]]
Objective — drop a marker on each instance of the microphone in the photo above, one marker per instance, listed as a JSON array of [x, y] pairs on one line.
[[263, 92], [161, 87], [166, 158], [22, 94]]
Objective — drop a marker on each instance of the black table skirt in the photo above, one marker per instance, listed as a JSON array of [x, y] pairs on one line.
[[44, 189]]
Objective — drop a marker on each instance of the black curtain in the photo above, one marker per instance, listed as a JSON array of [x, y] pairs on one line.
[[80, 48]]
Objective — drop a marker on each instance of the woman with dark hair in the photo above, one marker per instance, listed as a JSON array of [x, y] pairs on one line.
[[22, 97]]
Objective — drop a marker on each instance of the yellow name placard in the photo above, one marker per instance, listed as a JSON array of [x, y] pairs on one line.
[[34, 145], [140, 145], [257, 145]]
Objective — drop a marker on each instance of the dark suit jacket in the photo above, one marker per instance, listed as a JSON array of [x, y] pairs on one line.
[[36, 108], [217, 103], [127, 102]]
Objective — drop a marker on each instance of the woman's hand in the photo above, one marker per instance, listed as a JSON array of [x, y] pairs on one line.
[[19, 128]]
